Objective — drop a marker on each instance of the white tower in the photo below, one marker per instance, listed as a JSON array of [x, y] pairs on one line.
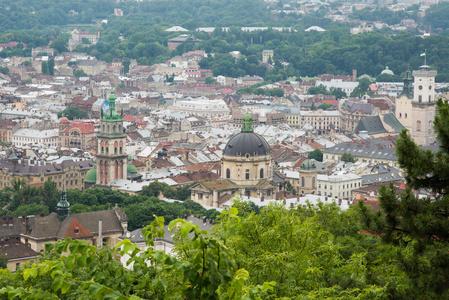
[[423, 106]]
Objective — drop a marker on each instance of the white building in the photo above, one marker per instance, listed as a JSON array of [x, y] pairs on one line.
[[345, 86], [202, 107], [338, 185], [24, 136]]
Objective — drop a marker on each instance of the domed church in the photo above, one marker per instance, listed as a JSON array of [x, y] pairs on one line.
[[246, 167]]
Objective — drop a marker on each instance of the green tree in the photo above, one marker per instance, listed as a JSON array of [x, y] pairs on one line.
[[418, 227], [73, 112], [125, 65], [26, 63], [291, 189], [4, 70], [316, 154], [347, 157], [3, 261], [51, 66], [325, 106], [44, 67], [79, 73], [362, 88], [31, 209], [210, 80]]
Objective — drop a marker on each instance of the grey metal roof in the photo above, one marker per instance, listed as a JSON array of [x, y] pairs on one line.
[[374, 148], [371, 124], [247, 143]]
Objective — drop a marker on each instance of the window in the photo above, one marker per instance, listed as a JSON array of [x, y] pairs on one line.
[[419, 98], [303, 182], [247, 174], [228, 173], [261, 173], [418, 125]]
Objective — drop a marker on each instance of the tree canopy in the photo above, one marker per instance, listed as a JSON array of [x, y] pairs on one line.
[[73, 112]]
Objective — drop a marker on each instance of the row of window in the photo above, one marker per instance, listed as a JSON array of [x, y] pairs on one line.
[[261, 173]]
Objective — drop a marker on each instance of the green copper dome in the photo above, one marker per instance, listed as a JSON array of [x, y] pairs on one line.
[[131, 169], [247, 121], [308, 164], [91, 176]]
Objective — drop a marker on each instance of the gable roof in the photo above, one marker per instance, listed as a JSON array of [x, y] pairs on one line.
[[73, 230]]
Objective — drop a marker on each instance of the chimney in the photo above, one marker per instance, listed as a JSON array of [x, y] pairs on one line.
[[42, 214], [339, 202], [100, 236], [17, 240], [325, 199], [262, 198], [354, 74], [10, 221], [4, 221]]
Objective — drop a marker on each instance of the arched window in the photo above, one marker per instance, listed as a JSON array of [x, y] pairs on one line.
[[228, 173], [121, 150], [261, 173], [303, 182], [313, 182], [400, 115], [102, 149], [113, 128], [418, 125], [247, 174], [406, 115], [116, 170]]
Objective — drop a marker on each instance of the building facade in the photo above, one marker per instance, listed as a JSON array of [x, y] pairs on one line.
[[339, 186]]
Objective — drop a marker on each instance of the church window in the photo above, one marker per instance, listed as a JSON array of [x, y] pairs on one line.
[[303, 181], [313, 182], [115, 150], [430, 98], [400, 115], [419, 98], [261, 173], [418, 125], [247, 174], [121, 149], [420, 87], [430, 87], [228, 173], [107, 150], [102, 149], [113, 128], [405, 115]]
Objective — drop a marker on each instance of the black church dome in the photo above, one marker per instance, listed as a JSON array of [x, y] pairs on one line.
[[247, 144]]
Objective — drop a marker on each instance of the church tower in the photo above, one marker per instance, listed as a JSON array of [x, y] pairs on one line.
[[423, 106], [111, 152]]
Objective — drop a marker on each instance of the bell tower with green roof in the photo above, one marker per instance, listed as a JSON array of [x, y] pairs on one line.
[[111, 151], [63, 206]]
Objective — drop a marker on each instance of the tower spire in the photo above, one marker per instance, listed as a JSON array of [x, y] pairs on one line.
[[63, 205], [247, 123]]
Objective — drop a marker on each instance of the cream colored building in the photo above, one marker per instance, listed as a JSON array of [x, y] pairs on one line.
[[321, 120], [247, 168], [339, 186]]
